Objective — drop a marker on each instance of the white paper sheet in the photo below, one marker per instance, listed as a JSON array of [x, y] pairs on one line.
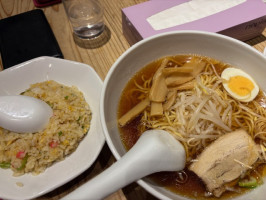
[[189, 11]]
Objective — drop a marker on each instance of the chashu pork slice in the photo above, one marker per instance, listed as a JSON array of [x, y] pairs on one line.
[[225, 160]]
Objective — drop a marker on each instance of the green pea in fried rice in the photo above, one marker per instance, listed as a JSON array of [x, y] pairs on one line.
[[34, 152]]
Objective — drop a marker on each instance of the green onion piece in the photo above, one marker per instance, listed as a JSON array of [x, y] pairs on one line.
[[23, 162], [60, 133], [5, 165], [66, 97], [248, 183]]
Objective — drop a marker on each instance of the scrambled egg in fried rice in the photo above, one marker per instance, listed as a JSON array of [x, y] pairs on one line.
[[34, 152]]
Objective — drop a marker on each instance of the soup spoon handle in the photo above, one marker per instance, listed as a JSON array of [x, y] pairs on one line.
[[155, 151]]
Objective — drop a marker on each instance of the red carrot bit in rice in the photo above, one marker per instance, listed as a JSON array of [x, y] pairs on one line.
[[53, 144], [20, 154]]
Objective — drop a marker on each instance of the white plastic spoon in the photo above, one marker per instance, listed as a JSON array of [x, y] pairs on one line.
[[23, 114], [155, 151]]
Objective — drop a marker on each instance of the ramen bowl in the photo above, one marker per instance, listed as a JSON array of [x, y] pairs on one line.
[[216, 46]]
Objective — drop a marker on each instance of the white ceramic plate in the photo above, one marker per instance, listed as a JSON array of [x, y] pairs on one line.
[[18, 78]]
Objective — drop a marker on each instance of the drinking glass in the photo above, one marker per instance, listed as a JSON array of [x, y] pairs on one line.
[[86, 17]]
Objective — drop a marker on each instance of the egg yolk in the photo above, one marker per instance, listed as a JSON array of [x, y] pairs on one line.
[[240, 85]]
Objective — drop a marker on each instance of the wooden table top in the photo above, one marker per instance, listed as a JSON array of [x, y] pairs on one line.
[[100, 56]]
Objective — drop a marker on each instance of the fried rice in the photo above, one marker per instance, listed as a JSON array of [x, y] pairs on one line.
[[34, 152]]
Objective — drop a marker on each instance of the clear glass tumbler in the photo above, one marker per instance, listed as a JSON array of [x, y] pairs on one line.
[[86, 17]]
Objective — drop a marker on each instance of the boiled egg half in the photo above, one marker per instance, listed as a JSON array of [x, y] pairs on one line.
[[239, 84]]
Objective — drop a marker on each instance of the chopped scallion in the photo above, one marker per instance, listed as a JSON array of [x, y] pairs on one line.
[[5, 165], [248, 183]]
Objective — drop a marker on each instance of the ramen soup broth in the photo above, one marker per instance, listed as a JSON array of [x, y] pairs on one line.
[[185, 183]]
